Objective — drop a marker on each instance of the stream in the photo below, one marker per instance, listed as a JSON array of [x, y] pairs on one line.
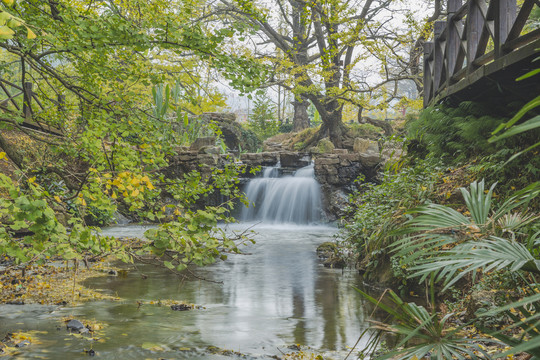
[[259, 304]]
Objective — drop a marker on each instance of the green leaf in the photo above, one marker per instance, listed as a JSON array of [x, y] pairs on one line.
[[6, 32], [530, 124], [528, 75], [525, 109]]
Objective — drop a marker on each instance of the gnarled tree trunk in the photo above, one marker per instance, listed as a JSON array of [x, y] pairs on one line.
[[301, 118]]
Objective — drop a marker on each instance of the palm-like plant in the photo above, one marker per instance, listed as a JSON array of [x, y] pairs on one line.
[[445, 245], [448, 245], [430, 334]]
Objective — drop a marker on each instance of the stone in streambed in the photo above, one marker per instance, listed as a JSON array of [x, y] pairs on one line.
[[74, 325]]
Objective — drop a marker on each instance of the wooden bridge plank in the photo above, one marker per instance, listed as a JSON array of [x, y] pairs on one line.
[[459, 58], [489, 71]]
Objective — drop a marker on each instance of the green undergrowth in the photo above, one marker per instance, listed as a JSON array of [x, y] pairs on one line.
[[455, 224], [376, 210]]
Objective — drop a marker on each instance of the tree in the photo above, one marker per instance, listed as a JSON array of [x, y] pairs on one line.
[[262, 120], [102, 59], [322, 48]]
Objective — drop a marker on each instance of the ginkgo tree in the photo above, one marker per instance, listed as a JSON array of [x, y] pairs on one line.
[[92, 66], [329, 50]]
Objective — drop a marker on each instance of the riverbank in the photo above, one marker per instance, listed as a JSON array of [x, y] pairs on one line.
[[51, 284]]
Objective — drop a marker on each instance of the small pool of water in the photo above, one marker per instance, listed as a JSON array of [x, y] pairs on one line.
[[276, 295]]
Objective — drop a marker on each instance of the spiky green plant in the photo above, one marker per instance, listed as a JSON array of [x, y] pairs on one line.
[[449, 245], [422, 333]]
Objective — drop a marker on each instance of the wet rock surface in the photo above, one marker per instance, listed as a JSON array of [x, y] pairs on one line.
[[181, 307], [75, 325], [338, 174]]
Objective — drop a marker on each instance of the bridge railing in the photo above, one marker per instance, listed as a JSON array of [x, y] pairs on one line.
[[474, 34]]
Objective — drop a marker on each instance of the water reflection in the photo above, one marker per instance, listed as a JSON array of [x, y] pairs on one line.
[[276, 296]]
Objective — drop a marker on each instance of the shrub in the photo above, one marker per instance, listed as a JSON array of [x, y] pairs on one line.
[[378, 209], [459, 133]]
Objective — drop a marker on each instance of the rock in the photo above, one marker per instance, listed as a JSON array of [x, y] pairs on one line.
[[483, 300], [324, 146], [76, 325], [90, 352], [22, 344], [15, 302], [326, 250], [335, 201], [294, 160], [219, 117], [210, 150], [181, 307], [112, 273], [335, 262], [233, 134], [120, 219], [327, 160], [370, 159], [340, 151], [202, 142], [365, 145], [260, 159]]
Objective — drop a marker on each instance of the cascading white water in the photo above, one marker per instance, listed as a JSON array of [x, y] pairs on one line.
[[291, 199]]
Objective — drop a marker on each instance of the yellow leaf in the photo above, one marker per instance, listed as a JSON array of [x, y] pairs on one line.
[[30, 34], [83, 202], [145, 179], [135, 193], [9, 2], [423, 188], [125, 194], [135, 181], [14, 22], [113, 195], [32, 180], [150, 186], [2, 155], [57, 198]]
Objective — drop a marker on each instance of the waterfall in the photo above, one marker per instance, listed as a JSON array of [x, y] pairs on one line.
[[290, 199]]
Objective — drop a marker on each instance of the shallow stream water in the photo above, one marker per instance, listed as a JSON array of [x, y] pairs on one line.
[[276, 295]]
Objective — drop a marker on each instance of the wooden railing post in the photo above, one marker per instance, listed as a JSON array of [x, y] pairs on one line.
[[428, 78], [453, 40], [438, 55], [475, 25], [505, 15], [27, 100]]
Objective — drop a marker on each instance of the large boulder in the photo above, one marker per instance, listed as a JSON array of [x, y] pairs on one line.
[[235, 137], [202, 142]]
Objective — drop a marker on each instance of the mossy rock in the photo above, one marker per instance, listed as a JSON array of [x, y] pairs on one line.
[[324, 146], [327, 247]]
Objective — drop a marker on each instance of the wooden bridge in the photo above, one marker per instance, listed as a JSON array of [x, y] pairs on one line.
[[480, 50]]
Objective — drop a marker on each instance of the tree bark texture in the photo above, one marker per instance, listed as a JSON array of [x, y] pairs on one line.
[[301, 118]]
